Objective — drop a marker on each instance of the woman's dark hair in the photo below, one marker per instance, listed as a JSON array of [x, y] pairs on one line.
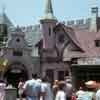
[[90, 89], [61, 86]]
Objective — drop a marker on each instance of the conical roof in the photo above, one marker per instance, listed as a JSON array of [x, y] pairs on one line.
[[49, 11], [5, 20]]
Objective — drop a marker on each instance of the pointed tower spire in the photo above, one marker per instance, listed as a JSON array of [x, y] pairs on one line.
[[4, 18], [48, 8], [2, 21], [49, 11]]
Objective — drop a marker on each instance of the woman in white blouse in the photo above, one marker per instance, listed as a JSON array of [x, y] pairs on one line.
[[61, 95]]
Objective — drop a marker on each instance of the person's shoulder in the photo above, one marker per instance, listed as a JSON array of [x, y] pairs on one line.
[[80, 92], [98, 91], [28, 81], [69, 84], [60, 92], [43, 85]]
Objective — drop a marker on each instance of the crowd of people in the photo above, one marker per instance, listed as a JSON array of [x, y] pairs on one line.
[[42, 89]]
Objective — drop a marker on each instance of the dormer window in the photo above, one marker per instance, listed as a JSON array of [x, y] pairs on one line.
[[97, 43]]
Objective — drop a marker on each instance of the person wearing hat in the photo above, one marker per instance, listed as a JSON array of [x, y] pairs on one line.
[[61, 95], [55, 88], [90, 90], [80, 93], [91, 84]]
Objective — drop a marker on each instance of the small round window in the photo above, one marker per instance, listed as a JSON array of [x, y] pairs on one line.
[[18, 40]]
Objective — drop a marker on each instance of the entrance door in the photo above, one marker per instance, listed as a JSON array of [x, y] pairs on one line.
[[60, 75], [14, 77], [50, 74]]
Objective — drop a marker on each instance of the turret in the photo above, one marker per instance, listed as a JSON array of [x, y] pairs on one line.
[[48, 22]]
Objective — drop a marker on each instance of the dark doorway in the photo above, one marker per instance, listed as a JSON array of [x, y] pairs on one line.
[[60, 75], [50, 74], [14, 77]]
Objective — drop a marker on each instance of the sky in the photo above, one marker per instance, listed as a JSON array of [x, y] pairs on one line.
[[29, 12]]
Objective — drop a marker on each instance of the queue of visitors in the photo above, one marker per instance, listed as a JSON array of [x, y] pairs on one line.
[[41, 89]]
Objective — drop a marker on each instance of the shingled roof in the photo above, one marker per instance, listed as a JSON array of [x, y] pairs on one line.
[[87, 42], [84, 39]]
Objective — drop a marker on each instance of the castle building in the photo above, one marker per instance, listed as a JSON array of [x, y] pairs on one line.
[[52, 48]]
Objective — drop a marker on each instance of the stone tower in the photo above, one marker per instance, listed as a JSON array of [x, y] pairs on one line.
[[48, 22]]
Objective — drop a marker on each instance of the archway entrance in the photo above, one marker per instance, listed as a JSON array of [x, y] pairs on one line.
[[15, 73], [14, 77]]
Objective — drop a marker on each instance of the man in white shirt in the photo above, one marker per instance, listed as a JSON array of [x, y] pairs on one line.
[[32, 88], [80, 92], [46, 90]]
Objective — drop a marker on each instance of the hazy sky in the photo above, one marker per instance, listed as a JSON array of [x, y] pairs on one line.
[[26, 12]]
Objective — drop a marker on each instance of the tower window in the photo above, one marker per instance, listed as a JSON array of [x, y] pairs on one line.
[[49, 31], [61, 38], [17, 53], [97, 43]]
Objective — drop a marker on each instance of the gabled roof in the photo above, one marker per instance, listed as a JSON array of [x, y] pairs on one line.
[[87, 42], [71, 34], [84, 39]]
